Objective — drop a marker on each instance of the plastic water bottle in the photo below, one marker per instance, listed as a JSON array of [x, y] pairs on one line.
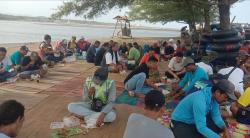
[[84, 55]]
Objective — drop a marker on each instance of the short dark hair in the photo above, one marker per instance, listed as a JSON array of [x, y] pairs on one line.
[[179, 54], [10, 111], [47, 37], [152, 59], [106, 44], [97, 42], [154, 100], [3, 49]]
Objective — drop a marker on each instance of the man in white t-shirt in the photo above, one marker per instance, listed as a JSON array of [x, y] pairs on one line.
[[205, 67], [6, 66], [236, 77], [176, 66], [112, 59]]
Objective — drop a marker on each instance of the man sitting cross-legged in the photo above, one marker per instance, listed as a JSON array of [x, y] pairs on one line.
[[99, 95]]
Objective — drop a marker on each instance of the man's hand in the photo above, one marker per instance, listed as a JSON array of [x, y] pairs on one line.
[[100, 119], [226, 133], [91, 91]]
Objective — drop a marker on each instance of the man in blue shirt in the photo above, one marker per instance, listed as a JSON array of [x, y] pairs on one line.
[[17, 57], [189, 119], [193, 74]]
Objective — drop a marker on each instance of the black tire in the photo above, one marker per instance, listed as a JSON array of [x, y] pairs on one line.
[[226, 48], [229, 55], [236, 39], [223, 34], [247, 36]]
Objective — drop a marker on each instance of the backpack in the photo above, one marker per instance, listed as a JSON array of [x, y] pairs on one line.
[[221, 76]]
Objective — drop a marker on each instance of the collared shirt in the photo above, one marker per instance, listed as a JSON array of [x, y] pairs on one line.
[[194, 108], [190, 78]]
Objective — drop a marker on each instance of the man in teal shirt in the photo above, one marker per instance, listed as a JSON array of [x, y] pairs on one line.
[[17, 56], [193, 74], [190, 117]]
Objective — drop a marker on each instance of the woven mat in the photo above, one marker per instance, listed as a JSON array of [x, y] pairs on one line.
[[29, 100]]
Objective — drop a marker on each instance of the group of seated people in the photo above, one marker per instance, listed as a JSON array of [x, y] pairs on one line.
[[205, 98], [34, 65]]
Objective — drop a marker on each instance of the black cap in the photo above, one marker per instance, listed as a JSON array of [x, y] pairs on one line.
[[101, 73], [154, 99]]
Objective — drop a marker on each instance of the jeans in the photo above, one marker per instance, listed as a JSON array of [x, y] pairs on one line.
[[136, 84], [84, 109], [30, 72], [4, 76]]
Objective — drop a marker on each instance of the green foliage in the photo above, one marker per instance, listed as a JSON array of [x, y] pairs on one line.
[[89, 8], [189, 11]]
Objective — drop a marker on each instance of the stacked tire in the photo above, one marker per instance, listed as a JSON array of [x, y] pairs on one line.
[[226, 43], [200, 46]]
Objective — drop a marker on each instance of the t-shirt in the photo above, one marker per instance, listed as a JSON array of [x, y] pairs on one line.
[[169, 50], [143, 68], [173, 65], [236, 77], [6, 63], [205, 67], [146, 57], [244, 99], [123, 49], [134, 54], [16, 58], [99, 56], [140, 126], [110, 60], [36, 66], [2, 135]]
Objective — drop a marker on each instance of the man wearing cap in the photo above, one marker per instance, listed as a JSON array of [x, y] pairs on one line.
[[189, 119], [18, 56], [146, 126], [99, 96], [193, 74]]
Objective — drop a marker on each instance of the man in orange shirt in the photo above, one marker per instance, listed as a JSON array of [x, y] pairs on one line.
[[146, 56]]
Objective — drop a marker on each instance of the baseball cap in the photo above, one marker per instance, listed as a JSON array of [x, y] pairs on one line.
[[25, 48], [187, 61], [101, 73], [227, 87], [154, 99]]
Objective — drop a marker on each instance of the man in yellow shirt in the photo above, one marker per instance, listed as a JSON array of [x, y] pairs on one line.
[[241, 108]]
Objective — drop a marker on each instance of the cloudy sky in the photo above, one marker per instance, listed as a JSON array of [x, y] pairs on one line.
[[47, 7]]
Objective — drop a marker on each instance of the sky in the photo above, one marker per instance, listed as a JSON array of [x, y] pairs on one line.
[[47, 7]]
